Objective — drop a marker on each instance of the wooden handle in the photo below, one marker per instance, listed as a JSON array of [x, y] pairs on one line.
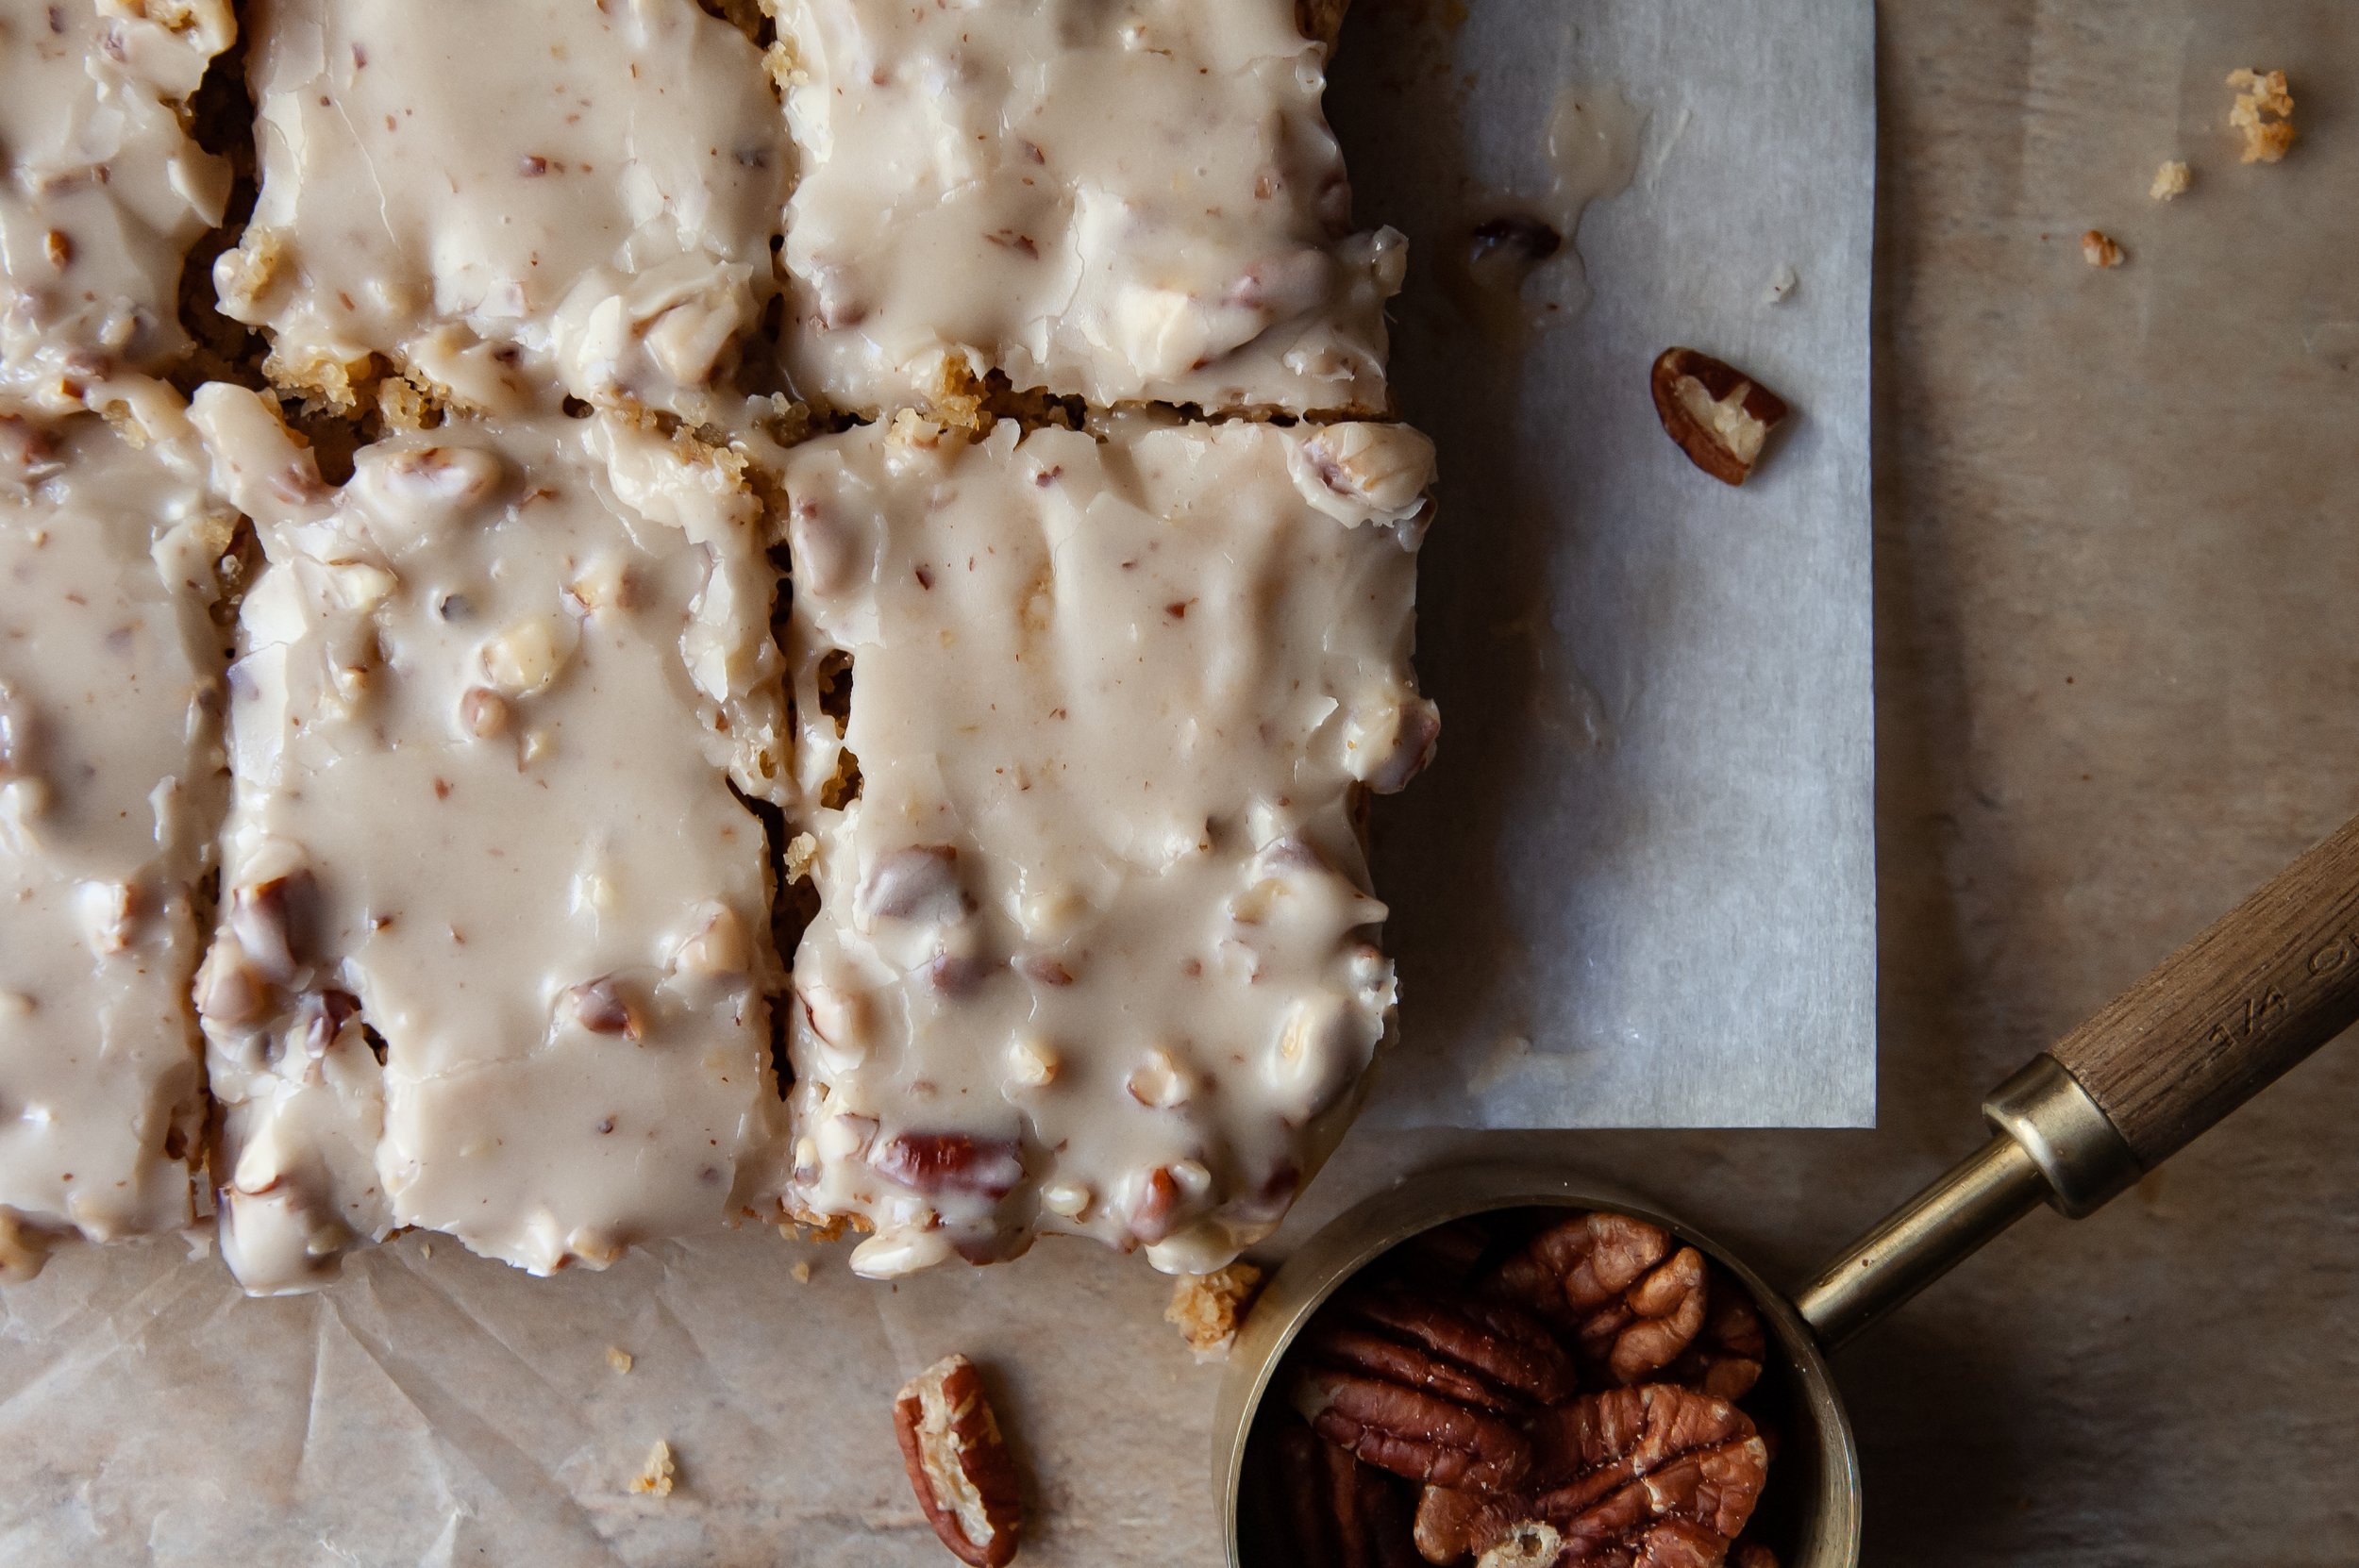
[[2229, 1012]]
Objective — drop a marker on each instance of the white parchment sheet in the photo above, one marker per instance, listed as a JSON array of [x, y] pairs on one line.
[[1637, 886], [1636, 889]]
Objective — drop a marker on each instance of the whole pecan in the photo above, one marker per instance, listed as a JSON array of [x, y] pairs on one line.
[[1336, 1512], [958, 1463], [1630, 1298]]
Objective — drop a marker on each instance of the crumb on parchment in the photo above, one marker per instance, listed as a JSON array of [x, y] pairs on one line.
[[1207, 1306], [801, 1271], [2170, 181], [655, 1476], [2101, 250], [2264, 113], [617, 1357]]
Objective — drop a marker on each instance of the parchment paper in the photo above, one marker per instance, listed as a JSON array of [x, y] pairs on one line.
[[1637, 886], [1646, 851]]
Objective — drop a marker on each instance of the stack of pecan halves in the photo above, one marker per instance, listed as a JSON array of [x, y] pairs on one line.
[[1563, 1398]]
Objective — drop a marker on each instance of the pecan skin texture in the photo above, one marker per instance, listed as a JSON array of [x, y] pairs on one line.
[[958, 1463]]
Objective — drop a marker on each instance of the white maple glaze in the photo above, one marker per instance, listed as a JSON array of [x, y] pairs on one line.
[[109, 789], [1093, 952], [488, 700], [102, 195], [1119, 199], [550, 190]]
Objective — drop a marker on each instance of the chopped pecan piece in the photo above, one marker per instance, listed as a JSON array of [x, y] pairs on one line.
[[276, 921], [1532, 1543], [1208, 1307], [919, 883], [950, 1163], [1412, 1433], [1451, 1527], [603, 1005], [1631, 1301], [1336, 1512], [959, 1462], [1721, 417]]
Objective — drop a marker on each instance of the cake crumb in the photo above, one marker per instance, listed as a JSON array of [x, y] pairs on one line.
[[426, 1251], [801, 1271], [2170, 181], [617, 1357], [2100, 250], [801, 851], [1207, 1306], [2264, 113], [655, 1476]]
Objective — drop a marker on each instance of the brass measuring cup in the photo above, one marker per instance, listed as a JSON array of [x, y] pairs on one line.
[[2220, 1020]]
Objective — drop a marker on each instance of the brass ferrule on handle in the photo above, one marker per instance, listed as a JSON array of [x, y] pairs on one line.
[[2220, 1020], [2049, 1142]]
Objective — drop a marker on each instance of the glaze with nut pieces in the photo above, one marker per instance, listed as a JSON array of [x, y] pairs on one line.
[[109, 766], [489, 698], [1093, 952], [1113, 199]]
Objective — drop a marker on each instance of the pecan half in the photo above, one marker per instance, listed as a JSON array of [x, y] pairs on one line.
[[1653, 1475], [1486, 1353], [1631, 1301], [1726, 1359], [1656, 1471], [1335, 1511], [957, 1462], [1448, 1255], [1411, 1432], [1719, 416]]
